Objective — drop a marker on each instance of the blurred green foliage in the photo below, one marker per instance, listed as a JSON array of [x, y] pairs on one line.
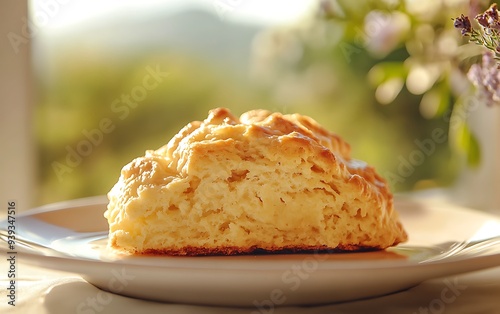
[[324, 68], [83, 94]]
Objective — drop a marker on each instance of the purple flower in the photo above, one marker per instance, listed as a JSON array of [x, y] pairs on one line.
[[482, 19], [492, 12], [486, 79], [488, 35], [489, 19], [463, 23]]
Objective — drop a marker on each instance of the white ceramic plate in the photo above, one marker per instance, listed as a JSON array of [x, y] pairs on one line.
[[71, 236]]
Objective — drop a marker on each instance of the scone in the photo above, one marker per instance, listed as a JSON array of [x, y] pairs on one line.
[[265, 182]]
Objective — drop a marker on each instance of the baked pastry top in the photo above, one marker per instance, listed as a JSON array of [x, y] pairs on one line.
[[261, 182]]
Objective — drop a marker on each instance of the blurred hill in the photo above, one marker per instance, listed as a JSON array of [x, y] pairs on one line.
[[81, 72], [198, 33]]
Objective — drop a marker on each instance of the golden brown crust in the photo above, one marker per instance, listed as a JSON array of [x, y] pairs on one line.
[[264, 182], [235, 250]]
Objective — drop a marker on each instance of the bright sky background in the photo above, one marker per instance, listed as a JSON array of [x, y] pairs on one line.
[[61, 14]]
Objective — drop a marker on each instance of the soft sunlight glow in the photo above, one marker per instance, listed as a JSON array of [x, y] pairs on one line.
[[53, 15]]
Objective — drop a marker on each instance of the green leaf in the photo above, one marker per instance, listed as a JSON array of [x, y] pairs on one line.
[[474, 152], [445, 100], [469, 144]]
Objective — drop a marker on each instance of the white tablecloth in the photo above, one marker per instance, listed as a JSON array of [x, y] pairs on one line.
[[42, 291]]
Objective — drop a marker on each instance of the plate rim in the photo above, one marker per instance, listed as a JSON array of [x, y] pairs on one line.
[[377, 275]]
